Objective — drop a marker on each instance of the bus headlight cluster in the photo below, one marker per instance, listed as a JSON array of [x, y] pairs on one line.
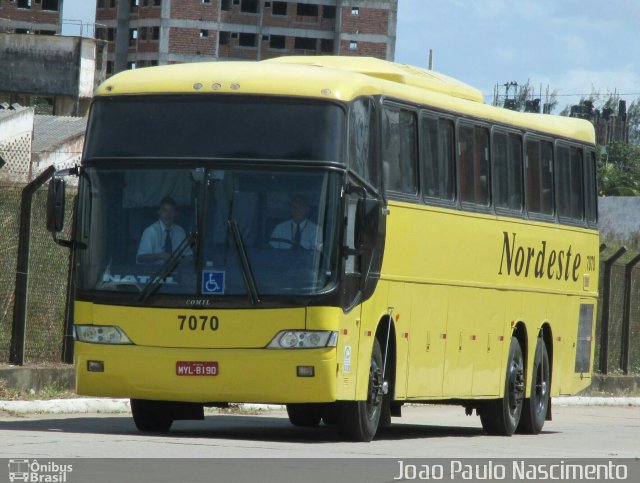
[[303, 339], [101, 334]]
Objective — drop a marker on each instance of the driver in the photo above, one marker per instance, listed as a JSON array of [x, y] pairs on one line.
[[297, 232], [162, 237]]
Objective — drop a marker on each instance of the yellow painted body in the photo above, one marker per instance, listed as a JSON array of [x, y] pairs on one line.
[[453, 315], [453, 310]]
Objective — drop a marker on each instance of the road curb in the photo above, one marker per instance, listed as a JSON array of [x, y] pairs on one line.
[[115, 406]]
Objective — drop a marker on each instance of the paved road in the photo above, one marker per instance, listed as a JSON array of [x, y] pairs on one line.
[[422, 432]]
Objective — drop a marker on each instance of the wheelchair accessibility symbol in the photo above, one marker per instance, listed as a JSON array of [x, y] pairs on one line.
[[212, 282]]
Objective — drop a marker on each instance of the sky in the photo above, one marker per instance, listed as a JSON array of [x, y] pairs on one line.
[[574, 47]]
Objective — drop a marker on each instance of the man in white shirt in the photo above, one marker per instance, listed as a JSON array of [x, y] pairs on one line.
[[299, 230], [161, 238]]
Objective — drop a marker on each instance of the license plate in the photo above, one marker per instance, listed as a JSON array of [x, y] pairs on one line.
[[188, 368]]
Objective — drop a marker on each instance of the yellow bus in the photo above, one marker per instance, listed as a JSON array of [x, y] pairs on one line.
[[338, 235]]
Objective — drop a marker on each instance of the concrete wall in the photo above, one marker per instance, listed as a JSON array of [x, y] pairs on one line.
[[68, 62], [619, 217]]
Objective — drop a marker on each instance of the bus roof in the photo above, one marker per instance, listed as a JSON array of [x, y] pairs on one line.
[[339, 78]]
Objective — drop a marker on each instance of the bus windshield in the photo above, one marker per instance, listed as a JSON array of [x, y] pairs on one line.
[[239, 232], [229, 127]]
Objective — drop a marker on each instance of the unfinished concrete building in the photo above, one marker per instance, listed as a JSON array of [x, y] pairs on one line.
[[158, 32], [31, 16]]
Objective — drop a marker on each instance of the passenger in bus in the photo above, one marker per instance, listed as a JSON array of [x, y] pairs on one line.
[[162, 237], [297, 232]]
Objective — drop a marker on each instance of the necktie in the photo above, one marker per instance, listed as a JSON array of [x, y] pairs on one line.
[[297, 235], [168, 248]]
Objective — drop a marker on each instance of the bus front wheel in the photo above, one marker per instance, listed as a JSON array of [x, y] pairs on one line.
[[358, 420], [304, 415], [501, 416], [151, 416]]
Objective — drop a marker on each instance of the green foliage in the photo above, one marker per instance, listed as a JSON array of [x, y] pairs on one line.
[[619, 170], [633, 120]]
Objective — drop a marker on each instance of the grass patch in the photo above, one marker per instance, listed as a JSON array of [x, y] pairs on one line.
[[50, 391]]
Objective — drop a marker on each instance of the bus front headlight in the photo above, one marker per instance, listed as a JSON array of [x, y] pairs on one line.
[[303, 339], [101, 334]]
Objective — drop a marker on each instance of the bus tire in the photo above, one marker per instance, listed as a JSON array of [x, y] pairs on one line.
[[151, 416], [304, 415], [501, 416], [534, 409], [358, 420]]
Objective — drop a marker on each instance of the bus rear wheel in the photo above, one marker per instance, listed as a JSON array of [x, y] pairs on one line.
[[534, 410], [358, 420], [151, 416], [304, 415], [501, 416]]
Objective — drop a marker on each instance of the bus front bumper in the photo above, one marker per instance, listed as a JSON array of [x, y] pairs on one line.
[[242, 375]]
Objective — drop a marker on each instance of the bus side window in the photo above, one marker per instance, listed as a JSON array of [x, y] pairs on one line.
[[590, 202], [399, 151], [539, 177], [569, 181], [437, 158], [361, 138], [474, 164]]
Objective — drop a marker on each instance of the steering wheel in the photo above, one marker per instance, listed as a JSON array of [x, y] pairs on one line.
[[283, 240]]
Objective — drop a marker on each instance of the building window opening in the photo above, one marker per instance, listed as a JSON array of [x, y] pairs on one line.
[[326, 46], [225, 5], [133, 36], [155, 33], [50, 5], [328, 12], [307, 10], [277, 42], [131, 65], [24, 3], [355, 10], [249, 6], [204, 34], [223, 38], [247, 40], [305, 43], [353, 45], [279, 8]]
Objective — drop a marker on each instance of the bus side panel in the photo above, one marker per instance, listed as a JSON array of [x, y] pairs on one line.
[[427, 340], [487, 325]]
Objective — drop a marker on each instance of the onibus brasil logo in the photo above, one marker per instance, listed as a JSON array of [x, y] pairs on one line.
[[33, 471]]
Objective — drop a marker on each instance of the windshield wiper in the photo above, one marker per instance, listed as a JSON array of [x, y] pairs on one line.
[[168, 266], [247, 274]]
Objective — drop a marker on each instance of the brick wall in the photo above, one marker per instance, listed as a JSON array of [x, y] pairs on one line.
[[195, 10], [365, 49], [368, 21], [189, 41], [35, 14], [106, 13]]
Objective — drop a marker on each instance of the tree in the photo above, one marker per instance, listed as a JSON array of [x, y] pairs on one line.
[[619, 170], [633, 121]]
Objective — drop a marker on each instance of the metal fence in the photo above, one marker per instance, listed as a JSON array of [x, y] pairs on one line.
[[618, 322], [47, 278], [617, 344]]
